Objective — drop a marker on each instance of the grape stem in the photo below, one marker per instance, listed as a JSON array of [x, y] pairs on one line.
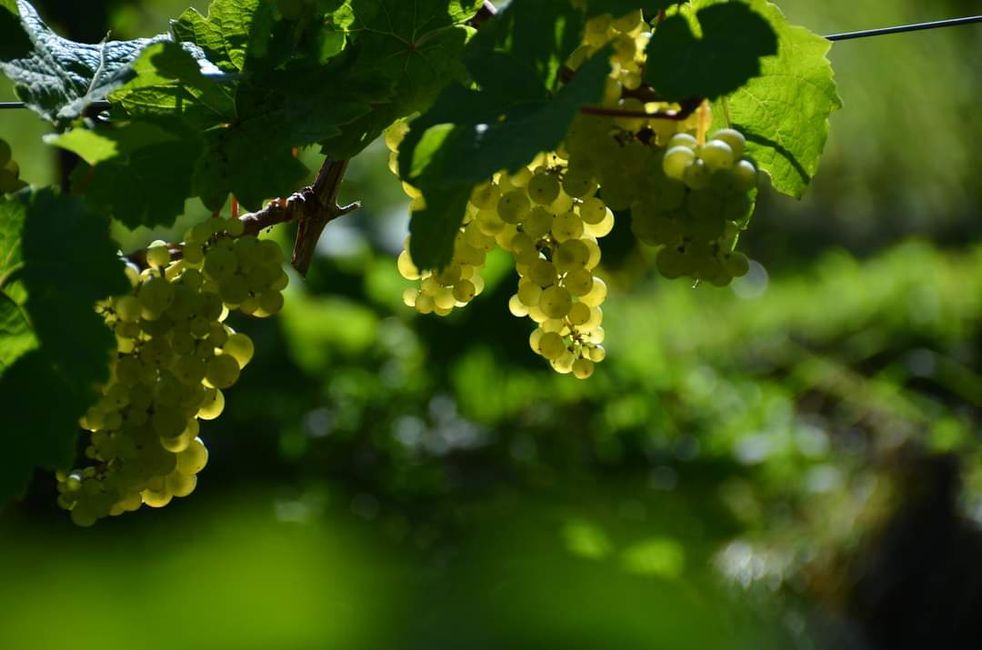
[[312, 208], [686, 109]]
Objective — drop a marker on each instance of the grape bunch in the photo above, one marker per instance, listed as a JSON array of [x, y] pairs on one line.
[[687, 194], [174, 357], [9, 171], [551, 222]]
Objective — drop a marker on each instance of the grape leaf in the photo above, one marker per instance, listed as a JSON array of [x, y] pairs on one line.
[[228, 33], [734, 38], [784, 112], [59, 78], [67, 263], [14, 42], [414, 47], [134, 177], [539, 33]]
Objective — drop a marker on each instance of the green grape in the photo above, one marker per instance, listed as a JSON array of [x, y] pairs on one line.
[[551, 345], [542, 273], [579, 282], [513, 206], [677, 161], [543, 188], [571, 254], [582, 368], [221, 371], [239, 347], [555, 302], [717, 155], [733, 138], [567, 225], [578, 183]]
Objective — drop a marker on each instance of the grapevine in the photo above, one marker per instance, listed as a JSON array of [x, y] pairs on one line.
[[547, 143]]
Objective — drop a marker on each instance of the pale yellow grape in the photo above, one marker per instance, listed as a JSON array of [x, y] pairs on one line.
[[582, 368], [551, 345], [567, 225], [193, 459], [521, 177], [603, 228], [449, 274], [464, 291], [485, 196], [489, 222], [597, 294], [128, 309], [564, 364], [529, 292], [516, 307], [697, 175], [424, 303], [744, 176], [717, 155], [513, 206], [220, 263], [444, 299], [733, 138], [557, 325], [597, 353], [156, 499], [579, 282], [523, 249], [406, 267], [555, 302], [542, 272], [593, 210], [677, 160], [270, 302], [543, 188], [538, 222], [239, 347], [212, 405], [594, 247], [579, 314], [571, 254], [578, 184], [682, 140], [534, 338], [180, 484], [155, 296], [409, 297]]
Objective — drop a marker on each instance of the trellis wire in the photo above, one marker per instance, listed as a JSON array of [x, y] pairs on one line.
[[103, 105]]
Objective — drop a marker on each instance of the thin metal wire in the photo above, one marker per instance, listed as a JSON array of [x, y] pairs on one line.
[[844, 36], [899, 29]]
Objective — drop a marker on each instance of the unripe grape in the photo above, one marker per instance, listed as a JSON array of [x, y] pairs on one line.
[[551, 345], [582, 368], [677, 160], [717, 155], [513, 206], [543, 188], [733, 138], [555, 302]]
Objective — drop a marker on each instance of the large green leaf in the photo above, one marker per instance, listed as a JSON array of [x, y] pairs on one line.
[[59, 78], [414, 47], [139, 171], [723, 58], [66, 262], [785, 111]]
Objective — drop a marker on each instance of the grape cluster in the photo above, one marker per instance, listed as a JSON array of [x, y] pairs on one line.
[[551, 221], [688, 196], [175, 356], [9, 171]]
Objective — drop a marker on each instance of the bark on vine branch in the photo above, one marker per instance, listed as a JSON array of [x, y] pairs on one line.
[[312, 208]]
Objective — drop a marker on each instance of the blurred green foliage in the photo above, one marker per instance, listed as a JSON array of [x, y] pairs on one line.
[[383, 479]]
